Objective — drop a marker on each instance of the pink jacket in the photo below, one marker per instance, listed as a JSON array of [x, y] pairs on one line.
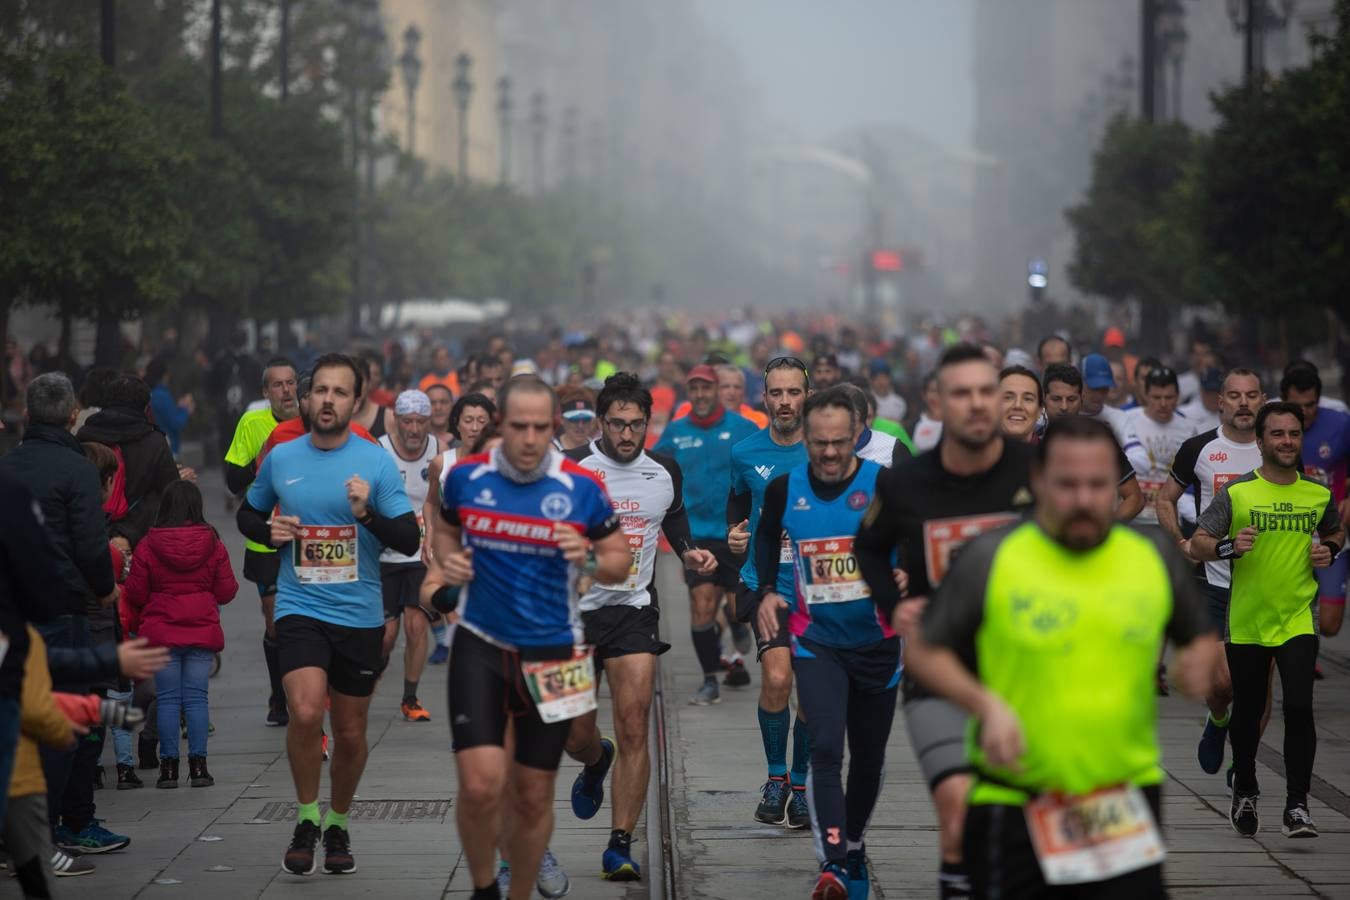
[[179, 577]]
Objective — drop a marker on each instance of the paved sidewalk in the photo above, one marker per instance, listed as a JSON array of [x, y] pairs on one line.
[[226, 841]]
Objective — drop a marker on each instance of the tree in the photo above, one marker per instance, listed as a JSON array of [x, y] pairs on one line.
[[1122, 249]]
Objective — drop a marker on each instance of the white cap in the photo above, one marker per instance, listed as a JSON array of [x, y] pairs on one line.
[[412, 403]]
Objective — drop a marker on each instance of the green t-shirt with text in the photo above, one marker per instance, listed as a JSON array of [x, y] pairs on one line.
[[249, 436]]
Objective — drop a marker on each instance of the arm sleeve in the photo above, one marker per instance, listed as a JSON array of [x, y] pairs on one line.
[[875, 546], [956, 610], [1217, 518], [89, 531], [769, 533], [675, 524], [238, 478], [399, 533], [1190, 612], [252, 523]]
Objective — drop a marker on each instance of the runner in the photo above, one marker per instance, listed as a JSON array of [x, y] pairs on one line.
[[700, 443], [261, 562], [1047, 633], [879, 447], [1099, 379], [1326, 460], [1263, 522], [1021, 403], [755, 462], [928, 430], [621, 619], [515, 520], [846, 661], [341, 502], [1064, 397], [1161, 431], [373, 417], [413, 452], [442, 401], [1203, 465], [973, 482]]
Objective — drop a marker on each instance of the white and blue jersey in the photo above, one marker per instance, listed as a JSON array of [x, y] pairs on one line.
[[331, 571], [704, 457], [755, 462], [522, 594]]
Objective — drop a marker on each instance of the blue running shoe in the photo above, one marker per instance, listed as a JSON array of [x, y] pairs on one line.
[[93, 838], [617, 864], [588, 791], [1211, 746], [439, 656], [859, 885], [832, 883]]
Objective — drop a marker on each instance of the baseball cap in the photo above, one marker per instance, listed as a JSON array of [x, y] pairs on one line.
[[703, 372], [524, 367], [412, 403], [1097, 371], [879, 366], [303, 382], [1211, 380], [578, 409], [1113, 337]]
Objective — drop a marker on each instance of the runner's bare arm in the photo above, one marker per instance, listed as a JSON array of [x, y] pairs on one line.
[[1131, 499], [431, 508], [1167, 509]]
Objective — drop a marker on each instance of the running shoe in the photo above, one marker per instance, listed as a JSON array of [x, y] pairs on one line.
[[1297, 823], [707, 695], [741, 638], [504, 879], [337, 851], [724, 664], [414, 711], [832, 883], [859, 885], [299, 858], [324, 745], [65, 865], [1212, 743], [798, 812], [552, 881], [1246, 821], [772, 809], [1229, 776], [439, 657], [617, 864], [277, 716], [93, 838], [737, 676], [588, 791]]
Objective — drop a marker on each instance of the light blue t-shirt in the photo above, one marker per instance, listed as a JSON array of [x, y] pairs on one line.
[[755, 462], [318, 576]]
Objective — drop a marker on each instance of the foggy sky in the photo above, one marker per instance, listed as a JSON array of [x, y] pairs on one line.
[[822, 67]]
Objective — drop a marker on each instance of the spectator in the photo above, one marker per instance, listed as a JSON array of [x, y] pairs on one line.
[[231, 383], [171, 417]]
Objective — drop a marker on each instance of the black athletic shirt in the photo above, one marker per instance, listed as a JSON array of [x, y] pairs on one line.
[[928, 513]]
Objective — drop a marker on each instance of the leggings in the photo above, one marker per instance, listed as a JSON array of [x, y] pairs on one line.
[[853, 693], [1250, 667]]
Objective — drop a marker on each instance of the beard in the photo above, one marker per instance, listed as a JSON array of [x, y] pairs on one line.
[[337, 426], [791, 426], [614, 453]]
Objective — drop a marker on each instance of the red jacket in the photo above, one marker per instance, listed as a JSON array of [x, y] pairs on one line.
[[179, 577]]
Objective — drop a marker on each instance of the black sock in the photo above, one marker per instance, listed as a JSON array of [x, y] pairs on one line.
[[487, 893], [409, 690], [620, 839], [953, 881], [707, 648], [278, 697]]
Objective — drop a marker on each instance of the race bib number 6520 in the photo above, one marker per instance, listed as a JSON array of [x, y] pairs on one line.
[[325, 554]]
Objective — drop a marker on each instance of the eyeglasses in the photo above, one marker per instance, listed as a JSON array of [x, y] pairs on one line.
[[788, 362], [619, 426]]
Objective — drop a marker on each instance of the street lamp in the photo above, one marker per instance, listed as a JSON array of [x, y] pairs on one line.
[[411, 64], [504, 120], [538, 124], [463, 91], [1172, 38], [1254, 18]]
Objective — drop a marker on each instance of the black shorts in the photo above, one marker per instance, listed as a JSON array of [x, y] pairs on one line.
[[263, 569], [352, 657], [400, 584], [1002, 863], [487, 689], [624, 630], [784, 638], [726, 575], [1218, 599]]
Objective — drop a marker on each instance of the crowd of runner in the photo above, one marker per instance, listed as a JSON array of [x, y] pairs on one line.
[[966, 533]]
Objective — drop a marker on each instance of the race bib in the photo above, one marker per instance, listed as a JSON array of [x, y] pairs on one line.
[[562, 689], [637, 542], [1093, 838], [830, 571], [325, 554], [785, 551], [1150, 489], [943, 537]]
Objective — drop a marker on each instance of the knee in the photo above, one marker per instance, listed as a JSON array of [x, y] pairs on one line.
[[775, 686], [305, 713], [350, 734], [480, 790], [631, 730], [531, 798]]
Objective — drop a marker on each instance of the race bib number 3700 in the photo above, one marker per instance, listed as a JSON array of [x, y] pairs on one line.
[[1093, 838], [562, 689], [325, 554], [829, 572]]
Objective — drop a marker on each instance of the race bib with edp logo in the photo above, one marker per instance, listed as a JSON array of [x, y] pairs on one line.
[[830, 572], [1093, 838], [325, 554], [562, 689]]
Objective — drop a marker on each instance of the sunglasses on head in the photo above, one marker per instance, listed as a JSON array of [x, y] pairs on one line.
[[787, 362]]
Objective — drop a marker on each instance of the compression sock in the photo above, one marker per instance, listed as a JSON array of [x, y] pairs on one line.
[[409, 690], [801, 753], [953, 881], [307, 812], [335, 818], [773, 729], [706, 648], [1221, 723], [486, 893]]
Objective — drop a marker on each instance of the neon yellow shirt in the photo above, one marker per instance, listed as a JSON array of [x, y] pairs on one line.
[[249, 436]]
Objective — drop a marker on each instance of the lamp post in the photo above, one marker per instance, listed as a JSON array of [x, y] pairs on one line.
[[538, 125], [1172, 38], [1254, 18], [463, 87], [410, 62], [504, 123]]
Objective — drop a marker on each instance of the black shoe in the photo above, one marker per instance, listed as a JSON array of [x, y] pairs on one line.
[[1297, 822], [148, 751], [1246, 821], [337, 851], [300, 858], [127, 779], [736, 676], [278, 716], [98, 778], [772, 809], [197, 774], [168, 774]]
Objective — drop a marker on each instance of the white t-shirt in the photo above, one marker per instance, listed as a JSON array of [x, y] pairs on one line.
[[880, 449], [1205, 463], [1201, 418], [1188, 388], [927, 433], [1160, 443]]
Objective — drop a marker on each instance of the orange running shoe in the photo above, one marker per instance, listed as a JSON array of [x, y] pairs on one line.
[[325, 747], [414, 712]]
